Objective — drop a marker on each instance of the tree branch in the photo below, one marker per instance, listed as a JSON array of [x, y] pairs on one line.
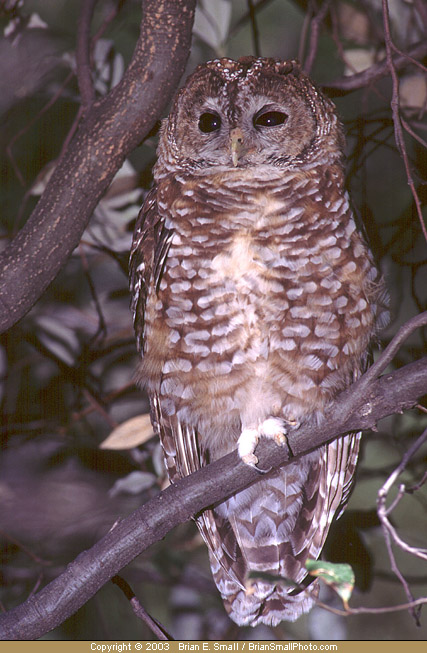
[[139, 610], [315, 25], [83, 48], [390, 608], [112, 128], [375, 72], [359, 407], [395, 100], [390, 531]]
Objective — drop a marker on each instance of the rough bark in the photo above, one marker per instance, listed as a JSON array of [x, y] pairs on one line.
[[111, 129]]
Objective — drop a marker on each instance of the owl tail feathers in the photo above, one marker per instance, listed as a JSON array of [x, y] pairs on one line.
[[262, 602]]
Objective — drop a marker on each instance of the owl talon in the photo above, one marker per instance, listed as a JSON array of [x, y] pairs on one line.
[[246, 446], [280, 439], [250, 459], [293, 423], [272, 428]]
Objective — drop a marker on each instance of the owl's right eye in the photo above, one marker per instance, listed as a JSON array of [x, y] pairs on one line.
[[209, 122], [269, 118]]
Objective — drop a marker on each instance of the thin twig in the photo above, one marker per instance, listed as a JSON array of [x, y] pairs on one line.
[[362, 610], [400, 141], [31, 122], [388, 354], [408, 57], [102, 325], [23, 548], [417, 486], [70, 134], [376, 71], [383, 512], [401, 578], [411, 132], [36, 585], [314, 35], [108, 19], [414, 579], [389, 531], [139, 611], [99, 409], [336, 39], [110, 397], [246, 16]]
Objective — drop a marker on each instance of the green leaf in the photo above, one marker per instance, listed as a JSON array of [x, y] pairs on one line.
[[339, 576]]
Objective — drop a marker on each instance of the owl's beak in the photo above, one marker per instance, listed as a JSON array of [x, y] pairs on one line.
[[236, 144]]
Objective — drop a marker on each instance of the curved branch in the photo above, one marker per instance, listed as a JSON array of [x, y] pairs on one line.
[[384, 512], [393, 347], [178, 503], [83, 47], [375, 72], [111, 129], [315, 25], [385, 610], [398, 132]]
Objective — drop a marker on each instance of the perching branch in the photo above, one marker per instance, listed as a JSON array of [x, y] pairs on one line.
[[111, 129], [359, 407]]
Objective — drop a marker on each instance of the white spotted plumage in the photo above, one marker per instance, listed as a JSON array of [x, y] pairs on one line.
[[255, 300]]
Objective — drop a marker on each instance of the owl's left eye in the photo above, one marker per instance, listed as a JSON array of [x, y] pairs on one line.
[[209, 122], [269, 119]]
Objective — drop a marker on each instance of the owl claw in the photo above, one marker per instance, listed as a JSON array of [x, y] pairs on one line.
[[272, 428], [246, 446], [250, 459], [280, 439]]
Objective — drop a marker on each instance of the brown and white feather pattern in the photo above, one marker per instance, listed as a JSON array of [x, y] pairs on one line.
[[254, 297]]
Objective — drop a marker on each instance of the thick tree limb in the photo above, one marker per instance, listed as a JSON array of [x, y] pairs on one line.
[[359, 407], [112, 128]]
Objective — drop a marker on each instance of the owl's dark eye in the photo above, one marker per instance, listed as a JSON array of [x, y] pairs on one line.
[[209, 122], [270, 119]]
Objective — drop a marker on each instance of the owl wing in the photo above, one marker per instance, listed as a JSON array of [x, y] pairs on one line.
[[335, 484], [183, 457], [149, 250]]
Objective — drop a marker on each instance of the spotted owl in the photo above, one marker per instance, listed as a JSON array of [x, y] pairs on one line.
[[255, 300]]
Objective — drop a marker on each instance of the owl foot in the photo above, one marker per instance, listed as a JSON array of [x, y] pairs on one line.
[[272, 428]]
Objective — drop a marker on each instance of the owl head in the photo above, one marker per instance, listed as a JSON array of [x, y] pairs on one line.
[[250, 112]]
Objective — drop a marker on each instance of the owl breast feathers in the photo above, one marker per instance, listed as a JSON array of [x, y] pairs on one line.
[[255, 300]]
